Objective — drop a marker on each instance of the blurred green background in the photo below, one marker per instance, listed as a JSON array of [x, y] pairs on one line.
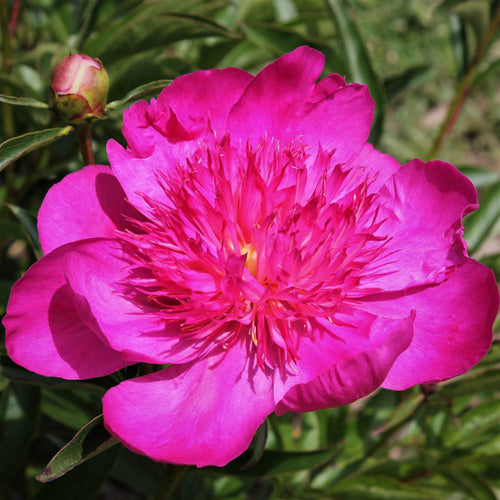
[[433, 68]]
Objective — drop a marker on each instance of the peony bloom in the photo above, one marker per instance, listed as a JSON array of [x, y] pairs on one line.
[[249, 238]]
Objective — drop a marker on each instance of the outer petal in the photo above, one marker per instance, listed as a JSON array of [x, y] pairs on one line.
[[44, 332], [98, 279], [423, 220], [168, 129], [353, 377], [269, 103], [85, 204], [204, 412], [332, 347], [453, 326], [283, 101]]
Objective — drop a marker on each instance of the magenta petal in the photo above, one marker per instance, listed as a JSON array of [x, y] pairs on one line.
[[354, 376], [425, 204], [202, 413], [44, 332], [97, 279], [86, 204], [269, 103], [357, 344], [453, 326]]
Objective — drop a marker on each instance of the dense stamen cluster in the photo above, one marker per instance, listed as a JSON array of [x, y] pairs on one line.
[[256, 241]]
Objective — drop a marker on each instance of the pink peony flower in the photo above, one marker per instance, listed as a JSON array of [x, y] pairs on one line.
[[251, 239]]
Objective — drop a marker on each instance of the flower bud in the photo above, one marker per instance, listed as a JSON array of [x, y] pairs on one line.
[[79, 88]]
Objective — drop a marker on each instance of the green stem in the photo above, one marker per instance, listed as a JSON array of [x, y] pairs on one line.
[[7, 114], [463, 89], [85, 137], [173, 477]]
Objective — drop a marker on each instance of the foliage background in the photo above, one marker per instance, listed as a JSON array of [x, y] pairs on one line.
[[424, 60]]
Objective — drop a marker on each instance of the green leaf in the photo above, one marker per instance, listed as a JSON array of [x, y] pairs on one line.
[[138, 472], [473, 423], [19, 410], [459, 45], [71, 408], [153, 25], [259, 445], [91, 440], [82, 483], [377, 488], [23, 101], [411, 77], [479, 224], [28, 222], [360, 66], [480, 176], [471, 483], [13, 372], [146, 90], [486, 381], [273, 463], [14, 148]]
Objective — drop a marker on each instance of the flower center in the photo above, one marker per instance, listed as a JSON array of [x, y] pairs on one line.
[[251, 262]]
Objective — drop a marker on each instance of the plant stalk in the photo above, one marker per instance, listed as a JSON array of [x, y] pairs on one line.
[[7, 114], [463, 89], [84, 133]]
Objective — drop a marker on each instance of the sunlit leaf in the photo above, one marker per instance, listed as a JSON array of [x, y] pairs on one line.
[[88, 442], [14, 148], [23, 101], [146, 90], [19, 408], [28, 222], [479, 224], [410, 78], [360, 65], [480, 176], [279, 462]]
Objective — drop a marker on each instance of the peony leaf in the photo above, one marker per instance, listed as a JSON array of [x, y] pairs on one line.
[[91, 440], [411, 77], [23, 101], [358, 58], [480, 176], [11, 371], [146, 90], [471, 483], [82, 483], [473, 425], [14, 148], [19, 408], [146, 27], [480, 223], [274, 463], [28, 222], [486, 381], [379, 488]]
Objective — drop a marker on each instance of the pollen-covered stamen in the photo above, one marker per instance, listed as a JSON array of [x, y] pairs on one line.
[[255, 242]]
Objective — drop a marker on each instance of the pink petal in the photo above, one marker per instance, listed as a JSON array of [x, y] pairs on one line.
[[424, 209], [44, 332], [85, 204], [357, 344], [168, 129], [269, 103], [283, 101], [202, 413], [127, 323], [379, 167], [453, 326], [355, 376]]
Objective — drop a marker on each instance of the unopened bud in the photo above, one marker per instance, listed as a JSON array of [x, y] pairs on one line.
[[79, 88]]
